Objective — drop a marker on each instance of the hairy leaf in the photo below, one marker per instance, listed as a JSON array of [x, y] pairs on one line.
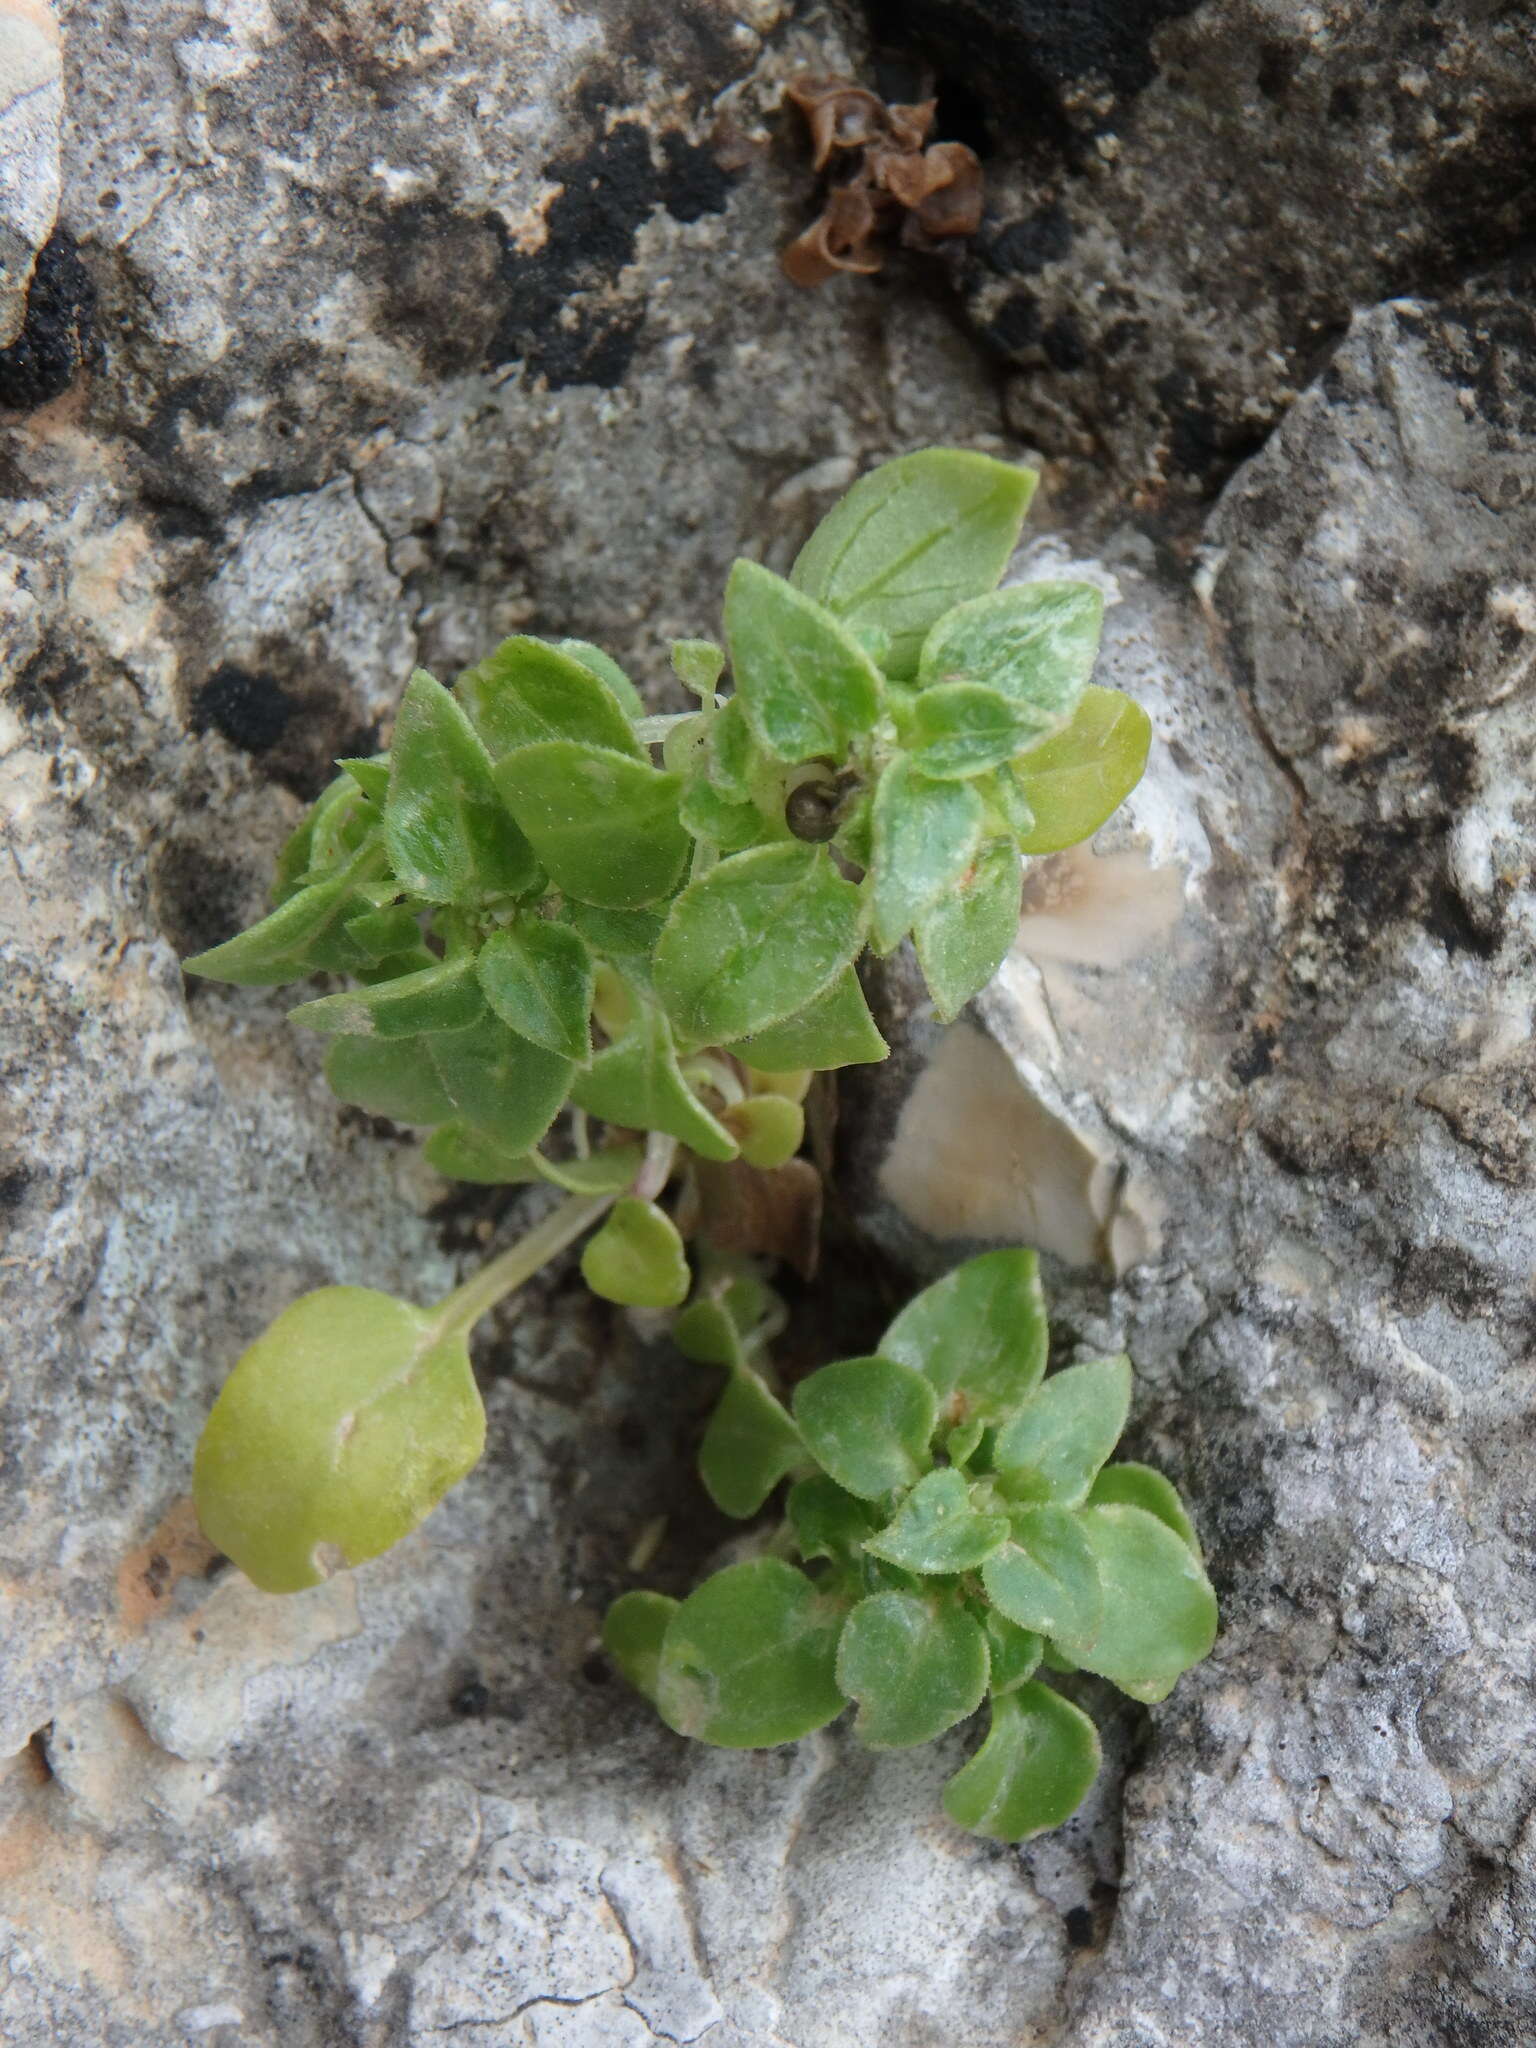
[[964, 938], [1034, 1770], [459, 1152], [866, 1422], [638, 1084], [979, 1335], [1138, 1486], [912, 539], [936, 1529], [1035, 645], [528, 691], [506, 1086], [305, 934], [835, 1029], [339, 1430], [767, 1128], [607, 671], [749, 1446], [750, 1658], [1159, 1612], [1045, 1577], [538, 977], [443, 997], [915, 1663], [1076, 779], [449, 836], [604, 826], [807, 686], [1014, 1653], [926, 835], [754, 941], [391, 1077], [1052, 1448], [637, 1257], [962, 729]]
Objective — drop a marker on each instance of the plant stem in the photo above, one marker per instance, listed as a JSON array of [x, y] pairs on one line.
[[458, 1312]]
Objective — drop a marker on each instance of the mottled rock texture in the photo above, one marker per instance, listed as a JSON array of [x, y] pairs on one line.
[[417, 323]]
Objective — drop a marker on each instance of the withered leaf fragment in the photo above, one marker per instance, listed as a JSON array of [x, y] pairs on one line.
[[886, 174]]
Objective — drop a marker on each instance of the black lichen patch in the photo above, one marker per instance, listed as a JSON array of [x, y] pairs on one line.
[[1025, 246], [251, 711], [558, 318], [45, 682], [14, 1182], [1445, 1273], [198, 899], [1046, 50], [440, 277], [55, 341]]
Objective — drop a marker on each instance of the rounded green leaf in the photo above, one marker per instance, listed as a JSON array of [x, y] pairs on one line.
[[755, 940], [1014, 1653], [1064, 1432], [979, 1335], [926, 835], [637, 1258], [913, 538], [461, 1153], [768, 1129], [1046, 1577], [749, 1446], [338, 1431], [538, 977], [1159, 1613], [963, 729], [916, 1665], [750, 1658], [638, 1084], [698, 663], [443, 997], [505, 1086], [391, 1077], [965, 937], [1034, 1770], [835, 1030], [449, 836], [608, 672], [1139, 1486], [1076, 779], [529, 691], [633, 1631], [603, 825], [1034, 644], [827, 1522], [806, 685], [936, 1529], [866, 1422]]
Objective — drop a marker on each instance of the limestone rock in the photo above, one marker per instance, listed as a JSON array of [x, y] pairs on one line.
[[423, 323]]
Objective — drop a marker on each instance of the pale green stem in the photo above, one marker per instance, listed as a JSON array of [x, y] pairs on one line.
[[460, 1311]]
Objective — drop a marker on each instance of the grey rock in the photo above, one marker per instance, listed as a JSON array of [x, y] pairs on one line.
[[423, 324], [1187, 202]]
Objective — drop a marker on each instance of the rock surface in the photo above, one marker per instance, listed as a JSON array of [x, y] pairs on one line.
[[423, 323]]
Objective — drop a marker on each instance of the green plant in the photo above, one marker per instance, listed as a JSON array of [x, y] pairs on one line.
[[958, 1527], [534, 912]]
